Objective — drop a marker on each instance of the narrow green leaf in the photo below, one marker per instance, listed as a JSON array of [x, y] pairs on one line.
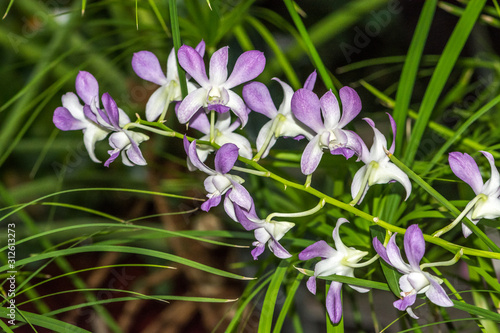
[[290, 297], [316, 59], [8, 8], [176, 36], [440, 76], [127, 249], [410, 68], [475, 310], [52, 324], [270, 300]]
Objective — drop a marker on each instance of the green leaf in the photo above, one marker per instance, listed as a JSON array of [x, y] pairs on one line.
[[270, 300]]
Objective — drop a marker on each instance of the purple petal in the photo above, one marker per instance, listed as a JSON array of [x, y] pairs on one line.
[[259, 249], [495, 177], [330, 110], [414, 246], [134, 154], [200, 48], [394, 129], [238, 106], [381, 251], [310, 81], [248, 66], [246, 217], [258, 98], [240, 196], [319, 249], [394, 255], [111, 109], [200, 122], [307, 108], [211, 202], [191, 104], [193, 156], [311, 156], [334, 302], [219, 108], [405, 302], [86, 86], [65, 121], [218, 66], [225, 158], [351, 105], [436, 293], [113, 155], [311, 285], [465, 168], [193, 64], [278, 250], [87, 111], [147, 67]]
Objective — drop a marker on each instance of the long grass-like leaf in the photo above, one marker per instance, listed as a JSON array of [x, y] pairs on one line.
[[441, 73], [270, 300]]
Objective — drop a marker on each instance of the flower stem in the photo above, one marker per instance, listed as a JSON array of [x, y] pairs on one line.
[[450, 262], [363, 264], [212, 127], [253, 172], [148, 128], [467, 209], [299, 214], [267, 141]]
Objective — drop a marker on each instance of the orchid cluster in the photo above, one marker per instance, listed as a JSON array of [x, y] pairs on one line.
[[212, 107]]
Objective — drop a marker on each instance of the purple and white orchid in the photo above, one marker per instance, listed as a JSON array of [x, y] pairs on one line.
[[414, 280], [308, 108], [215, 92], [70, 116], [96, 123], [283, 123], [147, 67], [486, 204], [121, 140], [378, 169], [266, 232], [223, 134], [339, 261], [219, 181]]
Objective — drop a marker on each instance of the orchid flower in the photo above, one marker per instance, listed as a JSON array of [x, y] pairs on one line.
[[414, 280], [339, 261], [308, 108], [269, 232], [215, 92], [486, 204], [283, 123], [378, 169], [122, 140], [223, 134], [70, 116], [219, 181], [147, 67]]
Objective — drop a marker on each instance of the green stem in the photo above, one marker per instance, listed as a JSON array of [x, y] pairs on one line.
[[450, 262], [212, 127], [251, 171], [459, 218], [299, 214], [268, 139], [148, 128]]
